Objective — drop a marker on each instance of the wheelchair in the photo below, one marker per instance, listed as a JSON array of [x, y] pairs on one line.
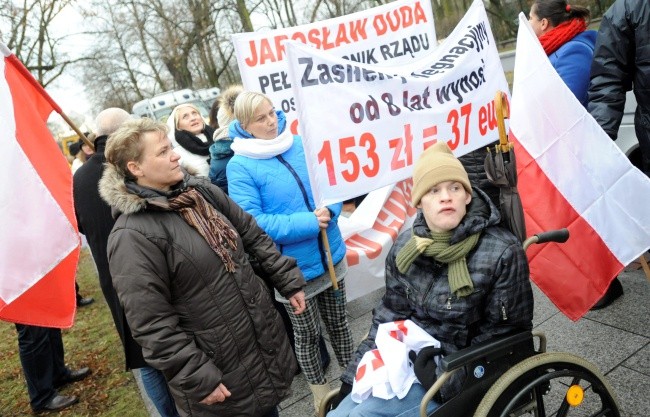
[[516, 376]]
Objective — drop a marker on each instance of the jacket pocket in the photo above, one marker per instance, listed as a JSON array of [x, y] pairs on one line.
[[207, 341]]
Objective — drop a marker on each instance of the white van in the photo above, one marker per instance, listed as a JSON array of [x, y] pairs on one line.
[[209, 95], [160, 106]]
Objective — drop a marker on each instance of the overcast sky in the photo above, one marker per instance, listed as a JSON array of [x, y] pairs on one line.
[[68, 91]]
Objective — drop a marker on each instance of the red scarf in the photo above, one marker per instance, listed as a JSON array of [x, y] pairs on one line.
[[561, 34]]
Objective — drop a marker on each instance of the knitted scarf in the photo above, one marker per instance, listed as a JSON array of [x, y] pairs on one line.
[[203, 217], [192, 143], [438, 247], [561, 34]]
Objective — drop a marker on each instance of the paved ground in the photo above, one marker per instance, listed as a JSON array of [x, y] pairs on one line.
[[615, 339]]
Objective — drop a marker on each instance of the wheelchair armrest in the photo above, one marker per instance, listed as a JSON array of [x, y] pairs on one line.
[[479, 350]]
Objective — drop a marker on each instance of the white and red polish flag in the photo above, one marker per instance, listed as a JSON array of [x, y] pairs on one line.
[[571, 174], [39, 242]]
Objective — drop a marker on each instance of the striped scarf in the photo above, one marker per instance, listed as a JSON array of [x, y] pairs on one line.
[[203, 217], [438, 247]]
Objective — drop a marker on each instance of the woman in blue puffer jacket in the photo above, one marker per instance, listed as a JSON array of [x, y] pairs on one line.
[[267, 177], [562, 30]]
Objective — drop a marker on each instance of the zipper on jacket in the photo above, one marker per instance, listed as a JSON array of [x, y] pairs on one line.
[[448, 306], [504, 314], [323, 256], [407, 290]]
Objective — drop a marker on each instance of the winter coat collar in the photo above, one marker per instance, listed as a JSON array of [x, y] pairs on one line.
[[127, 197]]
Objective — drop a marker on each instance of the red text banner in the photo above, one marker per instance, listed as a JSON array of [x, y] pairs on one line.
[[364, 126], [393, 34]]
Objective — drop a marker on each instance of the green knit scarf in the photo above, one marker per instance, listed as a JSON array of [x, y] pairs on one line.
[[438, 247]]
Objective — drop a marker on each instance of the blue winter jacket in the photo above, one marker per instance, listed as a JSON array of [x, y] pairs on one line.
[[268, 190], [572, 61]]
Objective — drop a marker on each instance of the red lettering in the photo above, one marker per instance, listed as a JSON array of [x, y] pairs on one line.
[[358, 29], [326, 44], [351, 255], [294, 127], [314, 37], [266, 52], [487, 118], [341, 35], [420, 16], [252, 60], [394, 209], [396, 163], [392, 230], [279, 47], [429, 132], [370, 248], [299, 36], [407, 16]]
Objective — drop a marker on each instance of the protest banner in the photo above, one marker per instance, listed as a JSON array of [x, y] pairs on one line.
[[391, 34], [364, 126]]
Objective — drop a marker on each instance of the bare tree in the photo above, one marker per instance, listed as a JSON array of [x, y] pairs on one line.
[[28, 34]]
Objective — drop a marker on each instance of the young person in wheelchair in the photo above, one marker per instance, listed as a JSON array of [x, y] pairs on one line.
[[456, 274]]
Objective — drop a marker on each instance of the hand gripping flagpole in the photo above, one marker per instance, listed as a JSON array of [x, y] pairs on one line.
[[330, 266], [28, 76]]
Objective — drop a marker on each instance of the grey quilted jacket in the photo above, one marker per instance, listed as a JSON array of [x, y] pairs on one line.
[[196, 322], [502, 302]]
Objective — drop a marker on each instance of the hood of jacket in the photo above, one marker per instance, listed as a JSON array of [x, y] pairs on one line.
[[126, 197]]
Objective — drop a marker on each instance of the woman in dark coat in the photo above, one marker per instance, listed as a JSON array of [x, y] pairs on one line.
[[178, 255]]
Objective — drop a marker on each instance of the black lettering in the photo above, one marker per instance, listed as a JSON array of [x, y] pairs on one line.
[[309, 64]]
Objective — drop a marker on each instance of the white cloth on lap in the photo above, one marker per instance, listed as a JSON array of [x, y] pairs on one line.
[[387, 372]]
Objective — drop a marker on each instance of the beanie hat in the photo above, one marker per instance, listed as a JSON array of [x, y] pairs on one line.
[[437, 164], [226, 113]]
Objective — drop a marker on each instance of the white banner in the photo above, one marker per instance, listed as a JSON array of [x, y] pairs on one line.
[[367, 249], [363, 126], [393, 34]]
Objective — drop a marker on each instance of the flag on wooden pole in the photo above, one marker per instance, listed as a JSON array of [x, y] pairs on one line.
[[571, 174], [39, 242]]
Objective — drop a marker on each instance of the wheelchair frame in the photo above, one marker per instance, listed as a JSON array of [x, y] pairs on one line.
[[508, 377]]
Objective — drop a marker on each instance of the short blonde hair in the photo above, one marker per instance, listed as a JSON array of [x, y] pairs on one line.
[[177, 114], [246, 104], [125, 144]]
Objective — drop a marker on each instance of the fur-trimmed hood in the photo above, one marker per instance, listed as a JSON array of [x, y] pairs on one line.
[[127, 197], [226, 113], [112, 189]]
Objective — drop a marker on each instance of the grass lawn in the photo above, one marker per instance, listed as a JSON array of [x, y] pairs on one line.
[[93, 342]]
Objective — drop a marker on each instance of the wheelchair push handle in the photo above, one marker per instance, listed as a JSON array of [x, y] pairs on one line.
[[559, 236]]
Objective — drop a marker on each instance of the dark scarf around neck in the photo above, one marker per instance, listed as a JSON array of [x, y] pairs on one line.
[[203, 217], [192, 143], [553, 39]]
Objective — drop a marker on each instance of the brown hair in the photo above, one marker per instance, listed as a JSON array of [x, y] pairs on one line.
[[559, 11]]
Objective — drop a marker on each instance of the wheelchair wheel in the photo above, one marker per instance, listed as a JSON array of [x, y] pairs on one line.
[[550, 384]]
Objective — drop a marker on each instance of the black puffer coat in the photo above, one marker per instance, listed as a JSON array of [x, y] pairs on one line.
[[502, 301], [197, 323], [621, 63]]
